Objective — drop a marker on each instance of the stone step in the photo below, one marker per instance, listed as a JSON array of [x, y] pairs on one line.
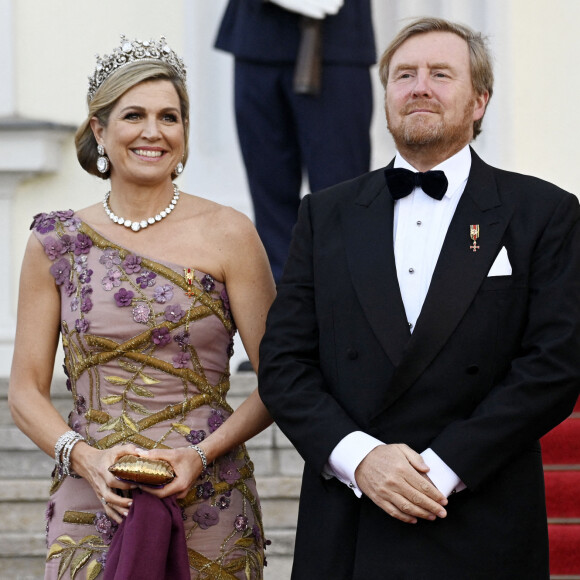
[[18, 464], [26, 567], [22, 544]]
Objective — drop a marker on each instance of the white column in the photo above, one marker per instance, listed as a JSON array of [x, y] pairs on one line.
[[27, 149], [6, 59], [8, 184], [215, 168]]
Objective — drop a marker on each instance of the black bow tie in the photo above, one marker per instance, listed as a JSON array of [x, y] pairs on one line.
[[402, 181]]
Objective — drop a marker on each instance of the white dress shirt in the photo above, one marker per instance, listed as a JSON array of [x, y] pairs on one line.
[[419, 229]]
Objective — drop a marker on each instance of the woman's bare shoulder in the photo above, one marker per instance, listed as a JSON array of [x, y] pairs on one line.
[[220, 219], [93, 214]]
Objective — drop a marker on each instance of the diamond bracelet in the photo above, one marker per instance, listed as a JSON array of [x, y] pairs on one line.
[[62, 450], [201, 455]]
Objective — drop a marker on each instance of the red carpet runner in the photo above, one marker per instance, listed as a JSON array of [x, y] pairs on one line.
[[561, 456]]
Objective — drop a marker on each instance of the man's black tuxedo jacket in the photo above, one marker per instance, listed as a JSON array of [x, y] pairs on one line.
[[493, 364]]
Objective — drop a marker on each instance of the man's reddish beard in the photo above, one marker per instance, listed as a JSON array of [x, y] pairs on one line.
[[413, 132]]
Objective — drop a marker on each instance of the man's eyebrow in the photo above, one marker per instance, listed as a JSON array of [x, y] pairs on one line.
[[444, 65], [432, 65], [404, 66]]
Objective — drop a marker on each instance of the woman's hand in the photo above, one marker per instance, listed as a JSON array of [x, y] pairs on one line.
[[187, 466], [93, 466]]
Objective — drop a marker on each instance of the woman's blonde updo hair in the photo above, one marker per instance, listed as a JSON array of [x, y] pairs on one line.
[[106, 97]]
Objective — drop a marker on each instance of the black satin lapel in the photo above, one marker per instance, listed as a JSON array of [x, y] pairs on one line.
[[457, 277], [367, 227]]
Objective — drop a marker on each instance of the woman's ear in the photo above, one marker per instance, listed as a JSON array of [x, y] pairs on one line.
[[97, 129]]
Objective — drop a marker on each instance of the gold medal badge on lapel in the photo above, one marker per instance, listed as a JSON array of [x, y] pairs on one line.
[[474, 235]]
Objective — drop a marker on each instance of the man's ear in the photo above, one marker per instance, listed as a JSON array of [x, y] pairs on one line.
[[480, 105]]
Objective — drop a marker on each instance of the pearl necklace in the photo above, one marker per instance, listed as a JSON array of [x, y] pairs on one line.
[[136, 226]]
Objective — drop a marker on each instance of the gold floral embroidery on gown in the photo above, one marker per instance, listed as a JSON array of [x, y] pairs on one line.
[[147, 347]]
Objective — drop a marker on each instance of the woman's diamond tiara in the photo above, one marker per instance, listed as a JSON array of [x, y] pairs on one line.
[[131, 51]]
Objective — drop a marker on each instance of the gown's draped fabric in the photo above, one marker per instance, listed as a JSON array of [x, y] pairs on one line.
[[164, 544], [147, 346]]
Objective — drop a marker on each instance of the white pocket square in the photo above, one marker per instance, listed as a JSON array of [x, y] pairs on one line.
[[501, 266]]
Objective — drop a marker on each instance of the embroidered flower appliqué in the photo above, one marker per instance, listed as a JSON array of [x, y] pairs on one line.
[[43, 223], [61, 271], [82, 325], [163, 293], [206, 516], [205, 490], [147, 278], [161, 336], [241, 523], [174, 313], [132, 264], [111, 280], [229, 472], [208, 283], [182, 339], [83, 244], [53, 247], [105, 526], [110, 258], [141, 313], [215, 420], [196, 437], [223, 503], [123, 297], [181, 360]]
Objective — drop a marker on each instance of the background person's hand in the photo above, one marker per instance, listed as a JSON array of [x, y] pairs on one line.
[[312, 8]]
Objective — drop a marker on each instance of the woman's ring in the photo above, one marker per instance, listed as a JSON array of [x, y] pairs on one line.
[[104, 501]]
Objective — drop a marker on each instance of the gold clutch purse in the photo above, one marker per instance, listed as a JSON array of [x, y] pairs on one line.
[[133, 469]]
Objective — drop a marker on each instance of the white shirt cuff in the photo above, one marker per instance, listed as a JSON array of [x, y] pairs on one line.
[[442, 476], [347, 456]]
